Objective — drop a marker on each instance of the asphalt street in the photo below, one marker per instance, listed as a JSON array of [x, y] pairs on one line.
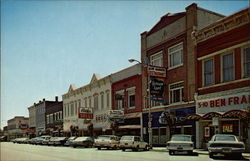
[[26, 152]]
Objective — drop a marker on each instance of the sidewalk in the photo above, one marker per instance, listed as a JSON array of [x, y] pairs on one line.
[[199, 151]]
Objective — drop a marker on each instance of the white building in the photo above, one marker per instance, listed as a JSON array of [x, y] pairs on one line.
[[94, 97]]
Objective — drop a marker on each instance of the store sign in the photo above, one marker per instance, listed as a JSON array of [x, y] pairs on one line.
[[225, 101], [227, 128], [215, 121], [116, 115], [85, 113], [156, 89], [157, 71]]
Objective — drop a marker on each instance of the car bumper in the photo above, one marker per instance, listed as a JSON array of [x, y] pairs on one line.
[[180, 148], [226, 150]]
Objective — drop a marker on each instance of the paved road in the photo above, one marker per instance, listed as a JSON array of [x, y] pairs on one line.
[[25, 152]]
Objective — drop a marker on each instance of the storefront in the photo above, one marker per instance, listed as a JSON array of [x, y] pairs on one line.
[[222, 114], [160, 130]]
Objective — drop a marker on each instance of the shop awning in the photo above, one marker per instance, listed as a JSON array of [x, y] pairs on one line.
[[242, 114]]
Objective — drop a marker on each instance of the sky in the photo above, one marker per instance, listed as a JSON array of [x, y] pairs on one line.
[[48, 45]]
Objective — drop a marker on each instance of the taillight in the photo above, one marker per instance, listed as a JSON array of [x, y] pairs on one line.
[[192, 145]]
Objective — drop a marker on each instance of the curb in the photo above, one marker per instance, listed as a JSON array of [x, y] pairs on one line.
[[196, 151]]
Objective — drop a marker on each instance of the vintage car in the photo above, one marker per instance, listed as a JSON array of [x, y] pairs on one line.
[[107, 141], [70, 139], [40, 140], [180, 143], [20, 140], [225, 144], [133, 142], [84, 141], [59, 141], [50, 141]]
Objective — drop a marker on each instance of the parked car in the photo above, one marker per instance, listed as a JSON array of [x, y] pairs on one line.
[[67, 143], [133, 142], [50, 141], [225, 144], [180, 143], [85, 141], [3, 138], [58, 141], [33, 140], [107, 141], [20, 140], [39, 141]]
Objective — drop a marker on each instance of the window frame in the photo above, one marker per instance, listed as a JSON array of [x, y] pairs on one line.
[[161, 58], [222, 67], [181, 96], [169, 55], [203, 72], [131, 91], [242, 61], [117, 102]]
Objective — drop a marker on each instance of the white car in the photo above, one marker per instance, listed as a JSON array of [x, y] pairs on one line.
[[107, 141], [180, 143], [133, 142], [225, 144]]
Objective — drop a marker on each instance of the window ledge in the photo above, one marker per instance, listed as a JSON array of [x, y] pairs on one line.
[[170, 68]]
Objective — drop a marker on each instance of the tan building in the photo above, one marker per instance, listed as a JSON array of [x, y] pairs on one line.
[[17, 127]]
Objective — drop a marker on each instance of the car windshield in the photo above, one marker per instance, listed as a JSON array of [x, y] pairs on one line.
[[181, 138], [53, 138], [61, 138], [224, 138], [127, 138], [81, 138]]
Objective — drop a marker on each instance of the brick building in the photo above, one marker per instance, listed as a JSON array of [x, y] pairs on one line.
[[126, 96], [54, 118], [223, 78], [169, 44], [17, 127]]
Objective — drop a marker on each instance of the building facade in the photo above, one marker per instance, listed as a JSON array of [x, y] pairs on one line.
[[32, 121], [126, 96], [169, 45], [86, 108], [54, 118], [17, 127], [223, 78]]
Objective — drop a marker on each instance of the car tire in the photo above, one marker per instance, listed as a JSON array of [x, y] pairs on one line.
[[99, 148], [123, 149], [190, 152], [146, 148], [211, 155], [74, 146], [171, 152]]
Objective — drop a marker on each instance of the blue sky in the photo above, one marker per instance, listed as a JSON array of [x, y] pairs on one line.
[[47, 45]]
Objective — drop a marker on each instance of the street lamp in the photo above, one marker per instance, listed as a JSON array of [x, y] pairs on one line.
[[149, 102]]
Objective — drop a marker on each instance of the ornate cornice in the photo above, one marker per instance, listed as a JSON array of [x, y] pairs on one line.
[[223, 25]]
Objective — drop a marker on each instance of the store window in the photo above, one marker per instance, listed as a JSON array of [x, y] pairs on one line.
[[208, 72], [107, 95], [131, 97], [175, 56], [157, 59], [228, 67], [246, 62], [176, 92]]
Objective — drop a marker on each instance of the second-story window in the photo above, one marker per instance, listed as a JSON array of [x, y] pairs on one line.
[[96, 102], [176, 92], [119, 99], [102, 100], [246, 62], [85, 102], [175, 56], [90, 102], [157, 59], [208, 72], [228, 67], [131, 97], [107, 95]]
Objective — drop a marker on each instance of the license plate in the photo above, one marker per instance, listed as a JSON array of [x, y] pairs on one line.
[[179, 148], [227, 150]]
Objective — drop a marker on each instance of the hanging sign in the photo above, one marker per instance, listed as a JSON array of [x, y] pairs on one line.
[[156, 89]]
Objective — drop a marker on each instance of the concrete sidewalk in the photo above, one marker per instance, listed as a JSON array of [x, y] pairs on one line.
[[199, 151]]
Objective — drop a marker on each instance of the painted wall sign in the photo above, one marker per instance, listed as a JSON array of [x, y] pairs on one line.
[[85, 116], [156, 88]]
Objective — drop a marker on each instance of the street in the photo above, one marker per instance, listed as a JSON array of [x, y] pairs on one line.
[[26, 152]]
